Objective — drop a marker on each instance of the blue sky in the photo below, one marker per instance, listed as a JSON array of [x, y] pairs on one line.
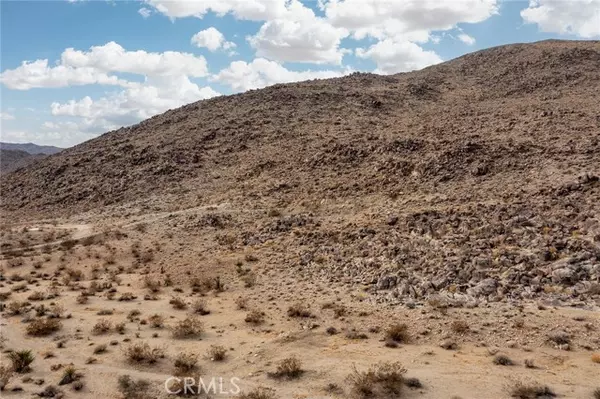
[[71, 70]]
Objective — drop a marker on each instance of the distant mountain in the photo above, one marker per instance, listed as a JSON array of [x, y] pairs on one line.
[[14, 159], [31, 148]]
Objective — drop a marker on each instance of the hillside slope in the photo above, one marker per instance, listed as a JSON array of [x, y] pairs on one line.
[[14, 159], [487, 122], [30, 148], [478, 176]]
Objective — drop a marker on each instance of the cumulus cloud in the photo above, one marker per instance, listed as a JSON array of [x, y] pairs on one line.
[[256, 10], [469, 40], [166, 84], [38, 74], [389, 19], [212, 39], [299, 36], [94, 67], [393, 56], [5, 116], [581, 17], [241, 75], [136, 103]]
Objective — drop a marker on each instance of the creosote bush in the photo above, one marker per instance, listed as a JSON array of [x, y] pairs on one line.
[[255, 317], [42, 327], [384, 380], [523, 390], [299, 309], [289, 368], [189, 327], [258, 393], [142, 353], [185, 363], [217, 353], [132, 389], [398, 333], [101, 327]]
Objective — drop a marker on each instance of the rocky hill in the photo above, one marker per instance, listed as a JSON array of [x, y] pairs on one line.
[[14, 159], [30, 148], [478, 175]]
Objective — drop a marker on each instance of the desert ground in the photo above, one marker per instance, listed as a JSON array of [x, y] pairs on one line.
[[109, 291]]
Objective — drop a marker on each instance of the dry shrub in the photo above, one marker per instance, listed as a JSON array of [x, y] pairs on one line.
[[459, 326], [141, 352], [131, 389], [16, 308], [178, 303], [102, 327], [289, 368], [398, 333], [241, 302], [217, 353], [596, 358], [200, 307], [127, 296], [156, 321], [384, 380], [6, 374], [42, 327], [151, 284], [185, 363], [37, 296], [82, 299], [255, 317], [299, 309], [522, 390], [189, 327], [258, 393], [21, 360], [503, 360]]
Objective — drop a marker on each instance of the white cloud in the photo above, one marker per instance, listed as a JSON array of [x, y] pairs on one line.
[[469, 40], [581, 17], [38, 74], [93, 67], [5, 116], [212, 39], [410, 19], [259, 73], [134, 104], [166, 85], [256, 10], [299, 36], [145, 12], [393, 56], [111, 57]]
